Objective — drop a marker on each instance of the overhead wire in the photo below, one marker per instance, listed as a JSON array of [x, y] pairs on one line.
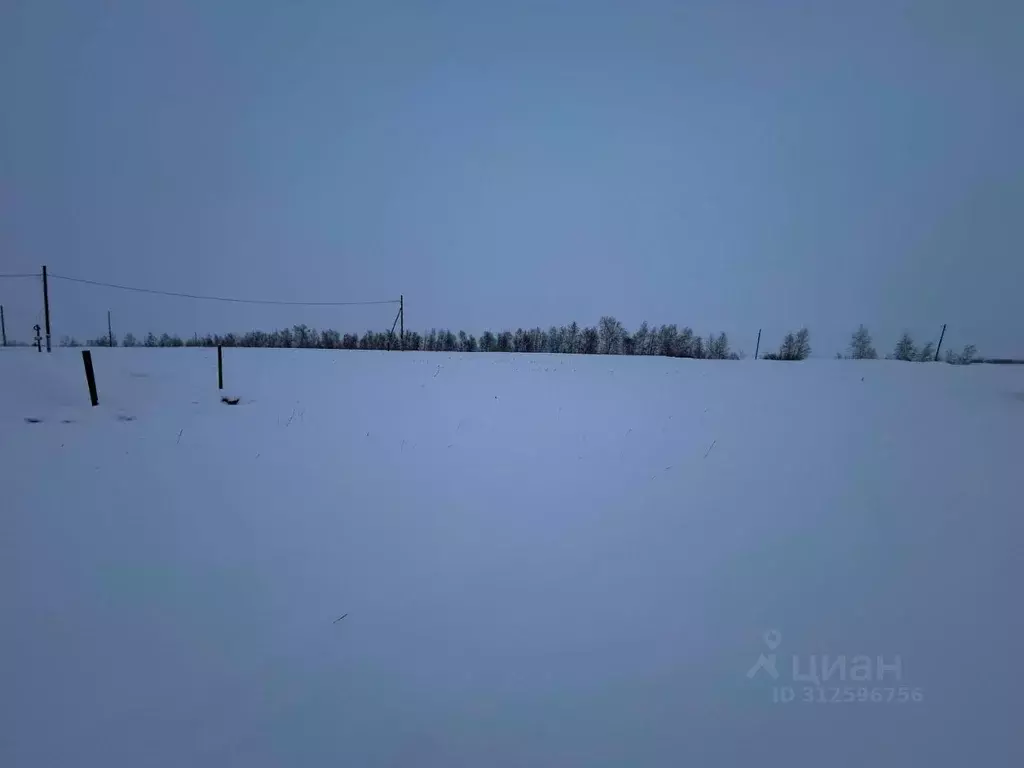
[[229, 299]]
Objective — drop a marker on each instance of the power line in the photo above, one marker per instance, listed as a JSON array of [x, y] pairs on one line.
[[224, 298], [33, 274]]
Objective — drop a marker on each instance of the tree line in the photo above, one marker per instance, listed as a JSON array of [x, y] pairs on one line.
[[861, 348], [608, 337]]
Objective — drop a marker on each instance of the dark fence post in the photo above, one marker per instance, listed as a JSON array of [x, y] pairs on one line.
[[220, 367], [90, 377]]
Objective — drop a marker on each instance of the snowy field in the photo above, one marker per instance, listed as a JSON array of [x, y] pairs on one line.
[[542, 560]]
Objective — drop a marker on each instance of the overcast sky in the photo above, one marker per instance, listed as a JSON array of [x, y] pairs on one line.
[[724, 165]]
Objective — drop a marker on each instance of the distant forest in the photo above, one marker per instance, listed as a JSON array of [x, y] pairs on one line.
[[608, 337]]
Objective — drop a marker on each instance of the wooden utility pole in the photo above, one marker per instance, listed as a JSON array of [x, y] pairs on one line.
[[3, 325], [941, 337], [110, 333], [90, 377], [46, 307], [401, 321], [758, 347]]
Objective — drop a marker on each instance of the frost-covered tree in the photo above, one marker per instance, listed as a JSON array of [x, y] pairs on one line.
[[966, 356], [926, 354], [610, 333], [668, 340], [572, 338], [554, 340], [329, 339], [697, 350], [686, 344], [787, 351], [628, 344], [718, 347], [539, 339], [641, 339], [905, 349], [860, 345], [590, 341], [803, 344], [794, 346]]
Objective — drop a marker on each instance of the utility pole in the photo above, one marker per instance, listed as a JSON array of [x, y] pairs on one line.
[[3, 325], [758, 347], [110, 333], [46, 307], [401, 321], [941, 337], [939, 347]]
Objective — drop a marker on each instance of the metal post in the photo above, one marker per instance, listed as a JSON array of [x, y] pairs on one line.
[[941, 337], [110, 333], [46, 307], [758, 347]]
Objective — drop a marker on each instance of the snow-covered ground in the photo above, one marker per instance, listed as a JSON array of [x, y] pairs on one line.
[[542, 560]]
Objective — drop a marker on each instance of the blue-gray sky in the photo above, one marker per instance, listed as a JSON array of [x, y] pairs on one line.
[[724, 165]]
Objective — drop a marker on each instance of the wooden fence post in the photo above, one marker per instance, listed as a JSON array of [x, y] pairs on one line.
[[220, 367]]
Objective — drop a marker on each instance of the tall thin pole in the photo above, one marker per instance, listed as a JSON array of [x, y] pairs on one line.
[[941, 337], [46, 307], [401, 321], [758, 347], [90, 377], [110, 333], [3, 325]]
